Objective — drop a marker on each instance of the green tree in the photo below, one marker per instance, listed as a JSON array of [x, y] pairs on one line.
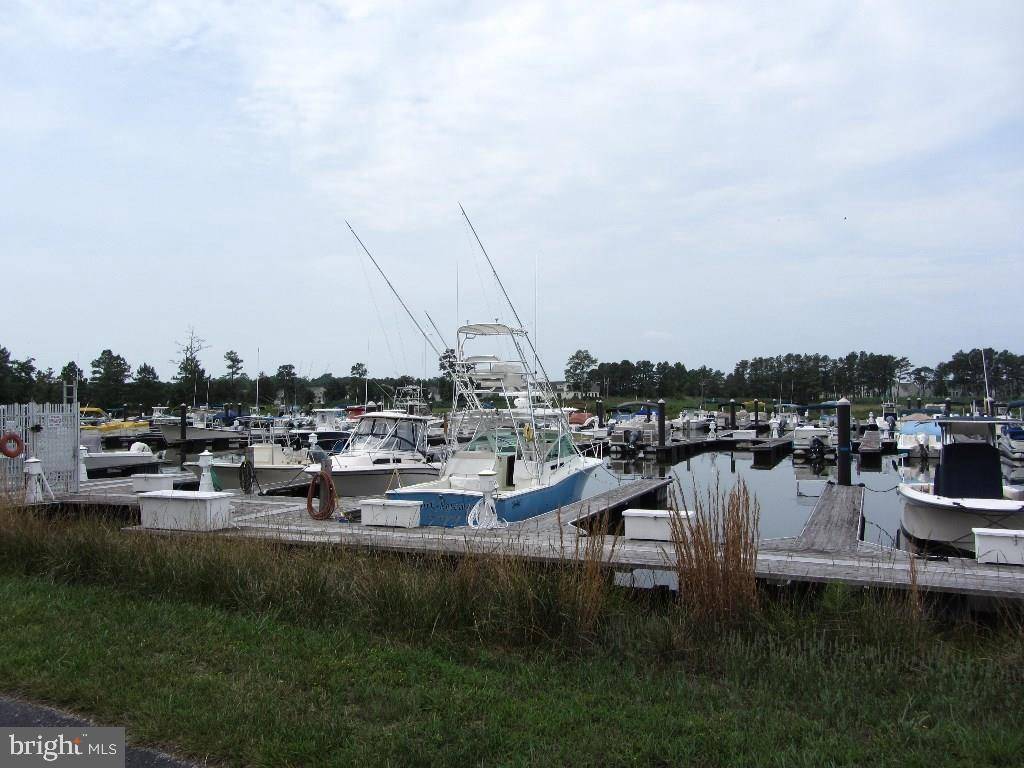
[[233, 363], [110, 373], [148, 390], [578, 369], [358, 371]]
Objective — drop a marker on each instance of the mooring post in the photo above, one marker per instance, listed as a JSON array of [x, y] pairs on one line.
[[843, 450], [661, 423], [755, 413], [947, 407], [920, 404], [910, 404], [600, 414], [183, 431], [732, 413]]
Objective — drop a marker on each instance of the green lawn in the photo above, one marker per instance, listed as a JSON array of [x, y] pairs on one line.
[[246, 688]]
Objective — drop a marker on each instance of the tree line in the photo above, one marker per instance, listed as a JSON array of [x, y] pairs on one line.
[[805, 378], [112, 383]]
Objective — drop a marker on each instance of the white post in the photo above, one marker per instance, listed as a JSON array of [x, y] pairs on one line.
[[83, 473], [206, 480], [33, 481]]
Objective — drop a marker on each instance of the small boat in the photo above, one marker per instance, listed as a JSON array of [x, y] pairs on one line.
[[968, 490], [332, 427], [264, 466], [139, 456], [1011, 442], [512, 468], [919, 437], [201, 426], [813, 442], [387, 449]]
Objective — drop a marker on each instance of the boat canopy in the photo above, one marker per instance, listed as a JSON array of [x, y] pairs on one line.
[[490, 329]]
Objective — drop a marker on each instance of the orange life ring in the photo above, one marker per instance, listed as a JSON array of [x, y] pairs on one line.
[[5, 445]]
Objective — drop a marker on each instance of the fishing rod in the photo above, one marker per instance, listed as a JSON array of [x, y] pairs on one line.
[[409, 313], [438, 330], [507, 298]]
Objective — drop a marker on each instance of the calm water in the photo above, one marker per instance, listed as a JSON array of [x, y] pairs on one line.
[[788, 492]]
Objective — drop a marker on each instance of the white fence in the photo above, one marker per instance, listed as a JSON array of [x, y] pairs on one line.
[[50, 432]]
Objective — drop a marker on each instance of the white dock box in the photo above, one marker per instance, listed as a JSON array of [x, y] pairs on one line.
[[186, 510], [393, 513], [143, 483], [999, 546], [651, 524]]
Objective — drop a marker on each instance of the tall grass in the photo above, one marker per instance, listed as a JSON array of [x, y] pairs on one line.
[[500, 598], [716, 552]]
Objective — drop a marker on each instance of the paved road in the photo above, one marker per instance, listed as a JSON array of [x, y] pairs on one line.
[[15, 713]]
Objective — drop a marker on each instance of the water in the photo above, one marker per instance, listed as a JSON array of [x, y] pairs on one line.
[[788, 491]]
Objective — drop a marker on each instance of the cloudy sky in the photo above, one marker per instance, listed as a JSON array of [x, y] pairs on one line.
[[685, 181]]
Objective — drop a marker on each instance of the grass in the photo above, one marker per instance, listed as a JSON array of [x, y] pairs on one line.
[[255, 653]]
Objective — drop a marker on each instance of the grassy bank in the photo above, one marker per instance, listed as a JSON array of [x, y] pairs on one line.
[[259, 654]]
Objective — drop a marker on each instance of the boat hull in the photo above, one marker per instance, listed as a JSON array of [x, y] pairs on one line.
[[948, 523], [376, 481], [450, 508], [172, 434], [119, 461]]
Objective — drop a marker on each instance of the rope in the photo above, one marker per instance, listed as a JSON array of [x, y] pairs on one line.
[[321, 485]]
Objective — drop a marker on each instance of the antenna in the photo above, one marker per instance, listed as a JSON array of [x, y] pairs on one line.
[[411, 317], [502, 286]]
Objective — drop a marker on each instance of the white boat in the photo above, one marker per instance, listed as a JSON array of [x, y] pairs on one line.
[[813, 441], [201, 426], [1011, 441], [332, 427], [968, 491], [137, 457], [263, 467], [387, 449], [512, 468], [919, 437]]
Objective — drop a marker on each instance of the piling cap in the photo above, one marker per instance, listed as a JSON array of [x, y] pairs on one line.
[[843, 401], [661, 401]]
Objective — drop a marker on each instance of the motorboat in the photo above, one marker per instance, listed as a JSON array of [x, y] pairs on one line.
[[813, 441], [1011, 441], [201, 426], [264, 466], [387, 450], [918, 437], [332, 427], [521, 460], [99, 462], [968, 490]]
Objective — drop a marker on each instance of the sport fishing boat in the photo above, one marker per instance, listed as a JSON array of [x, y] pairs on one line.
[[520, 460], [264, 466], [387, 449], [968, 490]]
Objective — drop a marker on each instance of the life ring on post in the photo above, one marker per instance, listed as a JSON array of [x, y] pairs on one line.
[[6, 448]]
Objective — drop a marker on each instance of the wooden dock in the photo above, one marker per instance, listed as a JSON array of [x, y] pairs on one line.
[[771, 451], [828, 548]]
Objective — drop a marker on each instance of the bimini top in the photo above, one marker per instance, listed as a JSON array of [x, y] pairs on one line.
[[490, 329]]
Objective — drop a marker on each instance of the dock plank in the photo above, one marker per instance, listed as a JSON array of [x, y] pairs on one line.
[[834, 523]]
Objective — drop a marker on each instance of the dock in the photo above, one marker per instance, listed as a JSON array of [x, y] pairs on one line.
[[771, 451], [828, 548]]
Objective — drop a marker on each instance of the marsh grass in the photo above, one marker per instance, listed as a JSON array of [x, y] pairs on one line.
[[715, 546]]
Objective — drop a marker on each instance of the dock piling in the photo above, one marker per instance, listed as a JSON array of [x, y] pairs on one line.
[[600, 414], [843, 449], [661, 423], [732, 413]]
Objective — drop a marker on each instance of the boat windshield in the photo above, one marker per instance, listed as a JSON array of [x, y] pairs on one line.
[[386, 434], [496, 442]]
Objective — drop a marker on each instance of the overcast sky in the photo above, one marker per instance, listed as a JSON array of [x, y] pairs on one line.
[[680, 181]]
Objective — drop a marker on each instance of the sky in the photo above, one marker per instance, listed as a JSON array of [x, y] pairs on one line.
[[702, 182]]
